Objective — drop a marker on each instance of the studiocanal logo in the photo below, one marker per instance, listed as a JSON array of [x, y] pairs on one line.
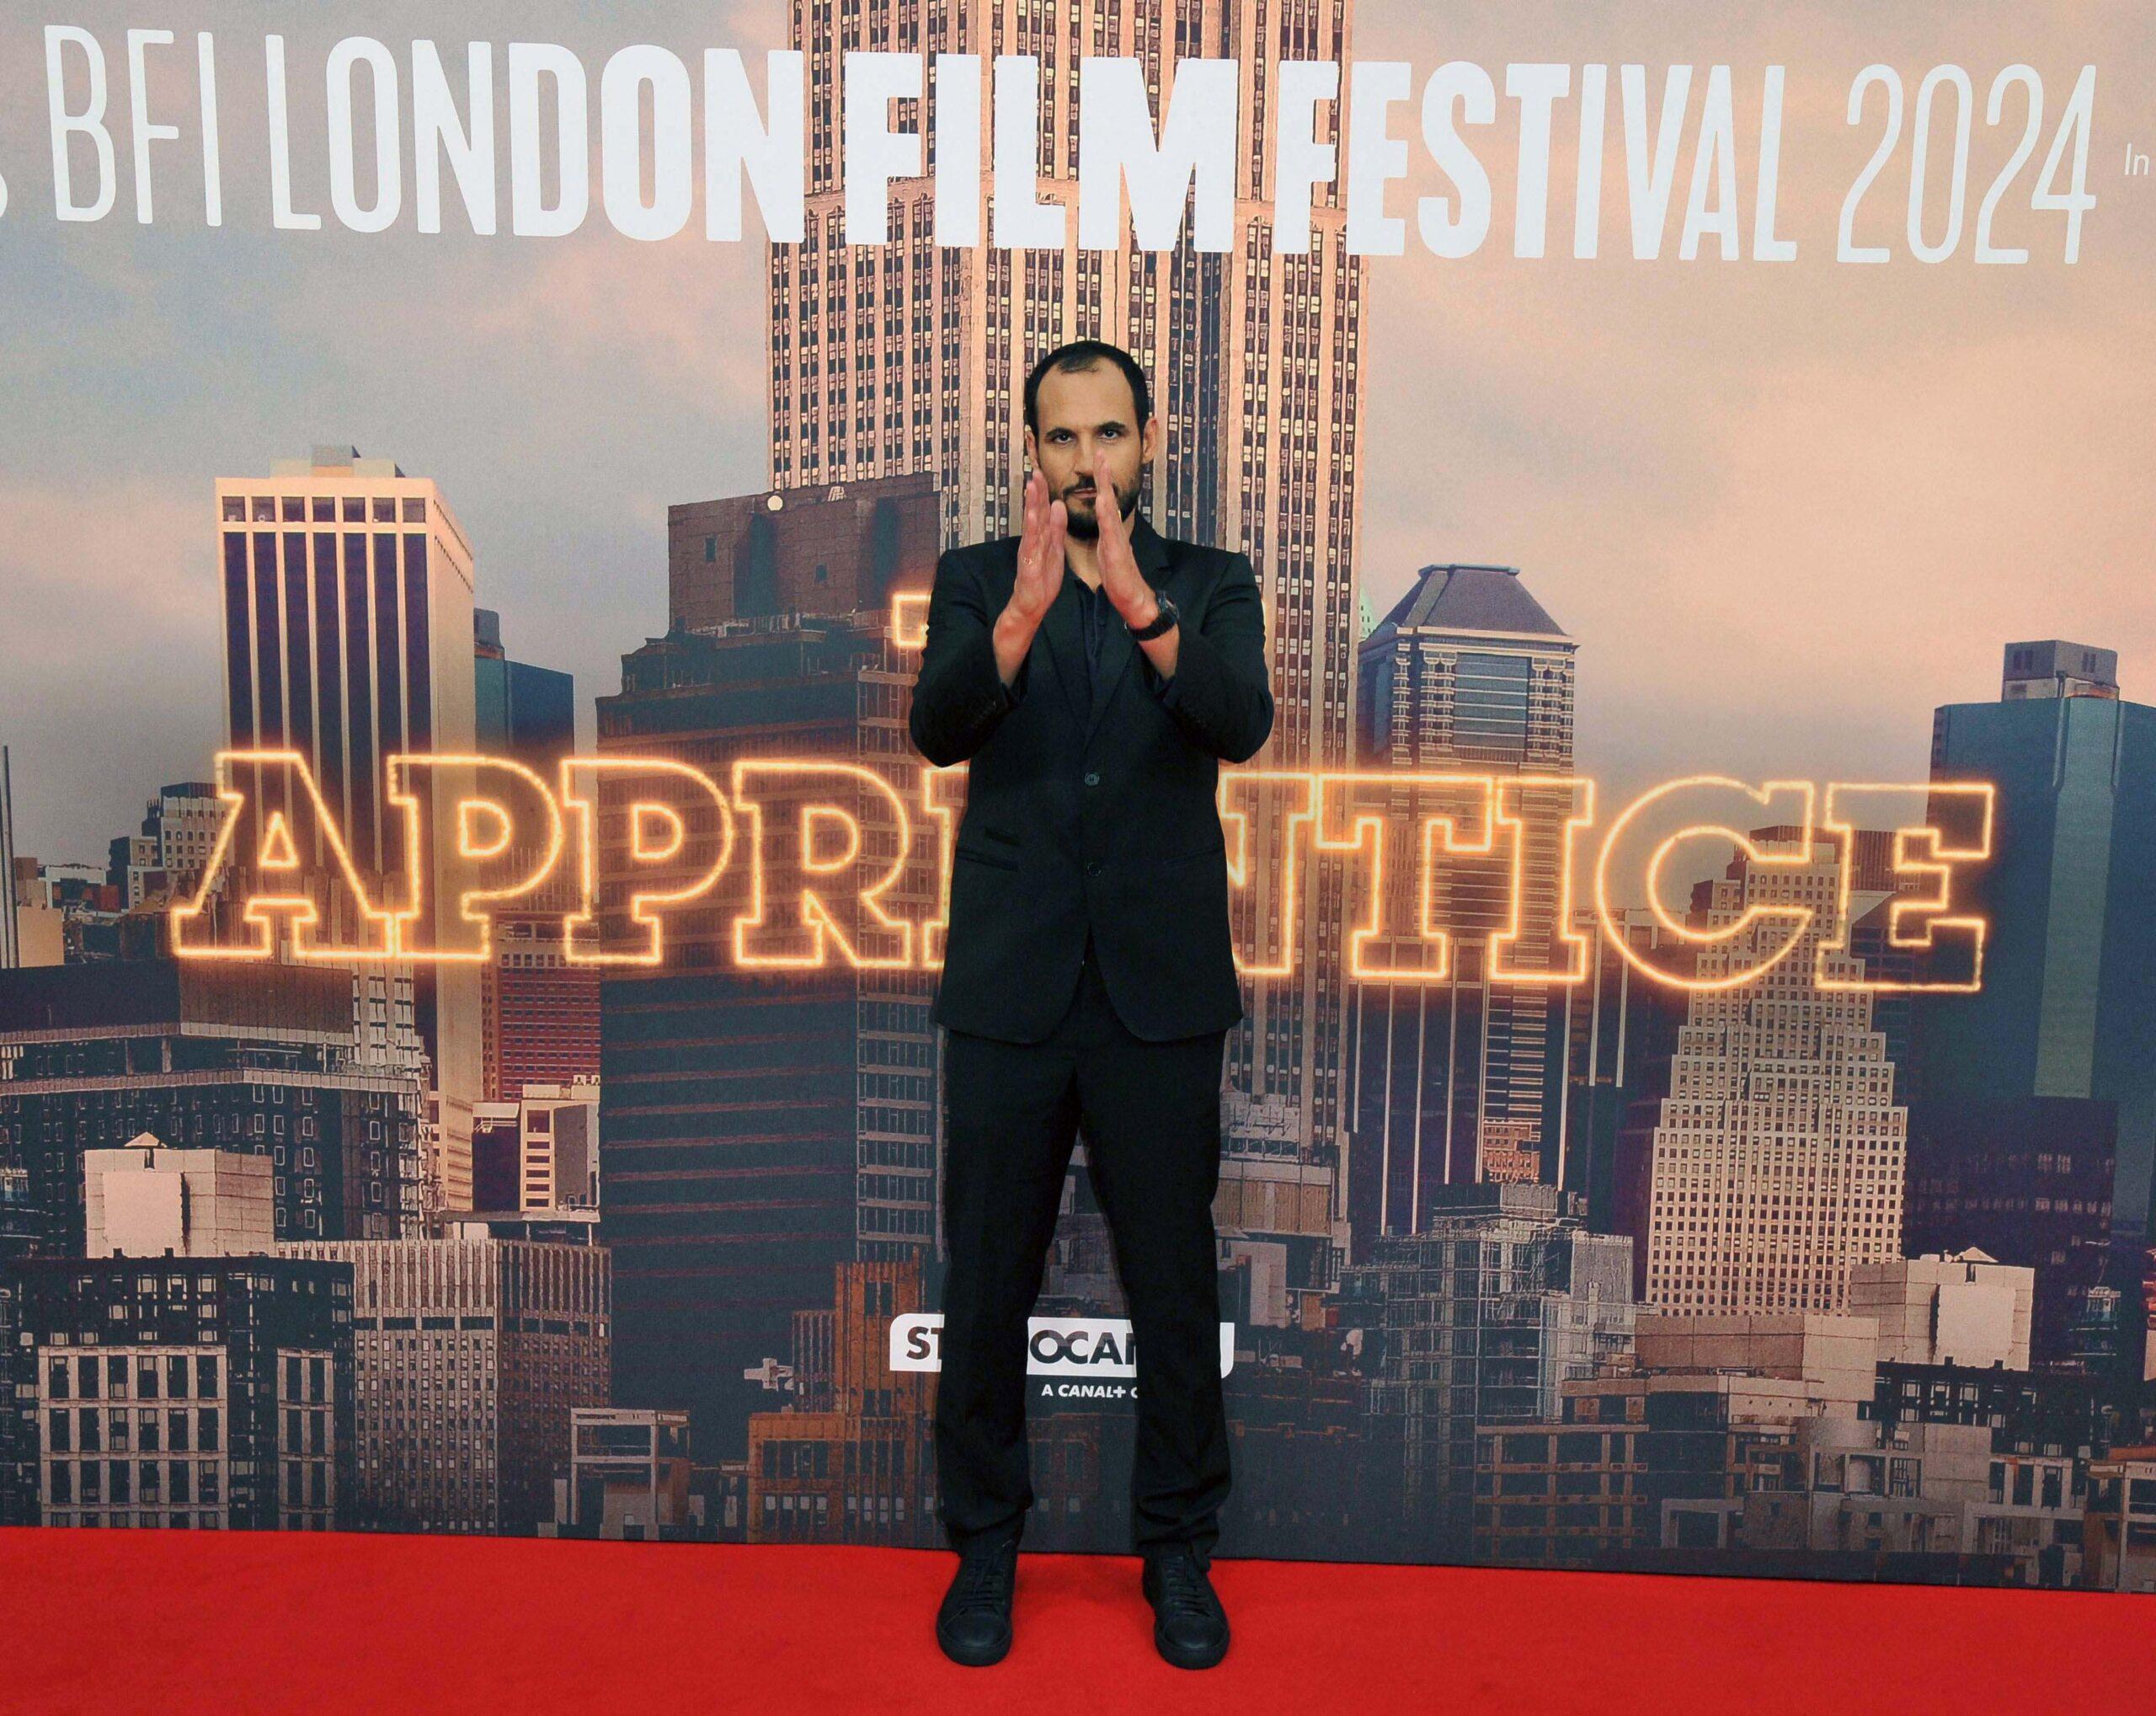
[[1079, 1358]]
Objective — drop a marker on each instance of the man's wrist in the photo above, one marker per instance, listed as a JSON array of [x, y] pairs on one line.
[[1011, 638], [1158, 623]]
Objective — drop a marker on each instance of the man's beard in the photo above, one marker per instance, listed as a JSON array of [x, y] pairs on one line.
[[1087, 528]]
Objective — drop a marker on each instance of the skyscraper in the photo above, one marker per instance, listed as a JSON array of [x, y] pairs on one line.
[[761, 1127], [911, 356], [2066, 1014], [1467, 673], [348, 627], [538, 1009], [1778, 1157], [349, 639], [519, 711]]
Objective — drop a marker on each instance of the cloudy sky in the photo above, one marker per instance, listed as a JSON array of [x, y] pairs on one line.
[[1786, 509]]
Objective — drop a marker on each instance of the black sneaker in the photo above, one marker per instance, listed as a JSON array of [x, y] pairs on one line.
[[1190, 1629], [973, 1625]]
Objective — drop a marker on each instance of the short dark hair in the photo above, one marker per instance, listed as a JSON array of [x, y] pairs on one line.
[[1085, 355]]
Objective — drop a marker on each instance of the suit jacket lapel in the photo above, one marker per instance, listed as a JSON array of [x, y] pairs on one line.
[[1150, 551]]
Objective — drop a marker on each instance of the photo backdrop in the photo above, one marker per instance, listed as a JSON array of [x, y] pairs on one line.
[[472, 480]]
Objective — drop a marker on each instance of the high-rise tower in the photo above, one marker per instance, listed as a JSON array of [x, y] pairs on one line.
[[911, 356], [1467, 673], [1779, 1159], [349, 639], [2047, 1075]]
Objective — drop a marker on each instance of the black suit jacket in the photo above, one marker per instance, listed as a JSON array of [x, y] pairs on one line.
[[1103, 822]]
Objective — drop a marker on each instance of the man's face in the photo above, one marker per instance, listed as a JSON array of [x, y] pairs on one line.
[[1084, 414]]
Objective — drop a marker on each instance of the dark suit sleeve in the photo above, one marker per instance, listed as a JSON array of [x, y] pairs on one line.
[[959, 698], [1220, 695]]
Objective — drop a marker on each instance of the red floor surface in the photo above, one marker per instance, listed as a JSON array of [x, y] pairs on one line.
[[180, 1621]]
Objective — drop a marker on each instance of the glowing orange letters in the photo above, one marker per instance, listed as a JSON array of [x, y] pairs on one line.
[[796, 863]]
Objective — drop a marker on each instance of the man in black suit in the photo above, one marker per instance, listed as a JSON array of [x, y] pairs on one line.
[[1087, 976]]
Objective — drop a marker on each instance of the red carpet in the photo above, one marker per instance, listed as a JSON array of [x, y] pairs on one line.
[[183, 1621]]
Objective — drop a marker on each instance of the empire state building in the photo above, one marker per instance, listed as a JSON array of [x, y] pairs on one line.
[[911, 356]]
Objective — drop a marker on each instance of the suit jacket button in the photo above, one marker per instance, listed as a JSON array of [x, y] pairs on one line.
[[1092, 869], [1092, 780]]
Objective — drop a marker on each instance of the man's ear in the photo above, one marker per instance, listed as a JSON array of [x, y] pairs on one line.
[[1149, 439]]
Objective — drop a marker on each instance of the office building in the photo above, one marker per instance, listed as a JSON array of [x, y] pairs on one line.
[[470, 1352], [2119, 1526], [348, 628], [1476, 1320], [2047, 1413], [280, 1061], [67, 914], [846, 548], [763, 1126], [20, 1226], [497, 1154], [538, 1153], [1614, 1039], [153, 1199], [38, 932], [181, 1391], [1662, 1443], [2027, 1179], [349, 639], [1777, 1161], [1862, 1491], [851, 1458], [1467, 673], [166, 857], [2066, 1014], [539, 1010]]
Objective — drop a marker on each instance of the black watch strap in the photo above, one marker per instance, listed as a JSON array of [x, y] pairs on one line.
[[1162, 622]]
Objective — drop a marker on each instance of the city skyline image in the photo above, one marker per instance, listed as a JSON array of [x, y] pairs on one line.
[[1745, 394], [473, 906]]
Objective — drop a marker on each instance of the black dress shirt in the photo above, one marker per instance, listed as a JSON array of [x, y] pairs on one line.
[[1096, 613]]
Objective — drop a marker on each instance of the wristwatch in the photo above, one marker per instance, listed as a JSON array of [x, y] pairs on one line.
[[1162, 622]]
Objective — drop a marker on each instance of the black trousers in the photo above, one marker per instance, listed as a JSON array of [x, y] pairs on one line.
[[1151, 1116]]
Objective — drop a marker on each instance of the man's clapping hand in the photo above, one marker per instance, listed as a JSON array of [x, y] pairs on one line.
[[1120, 581], [1123, 581], [1040, 578]]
